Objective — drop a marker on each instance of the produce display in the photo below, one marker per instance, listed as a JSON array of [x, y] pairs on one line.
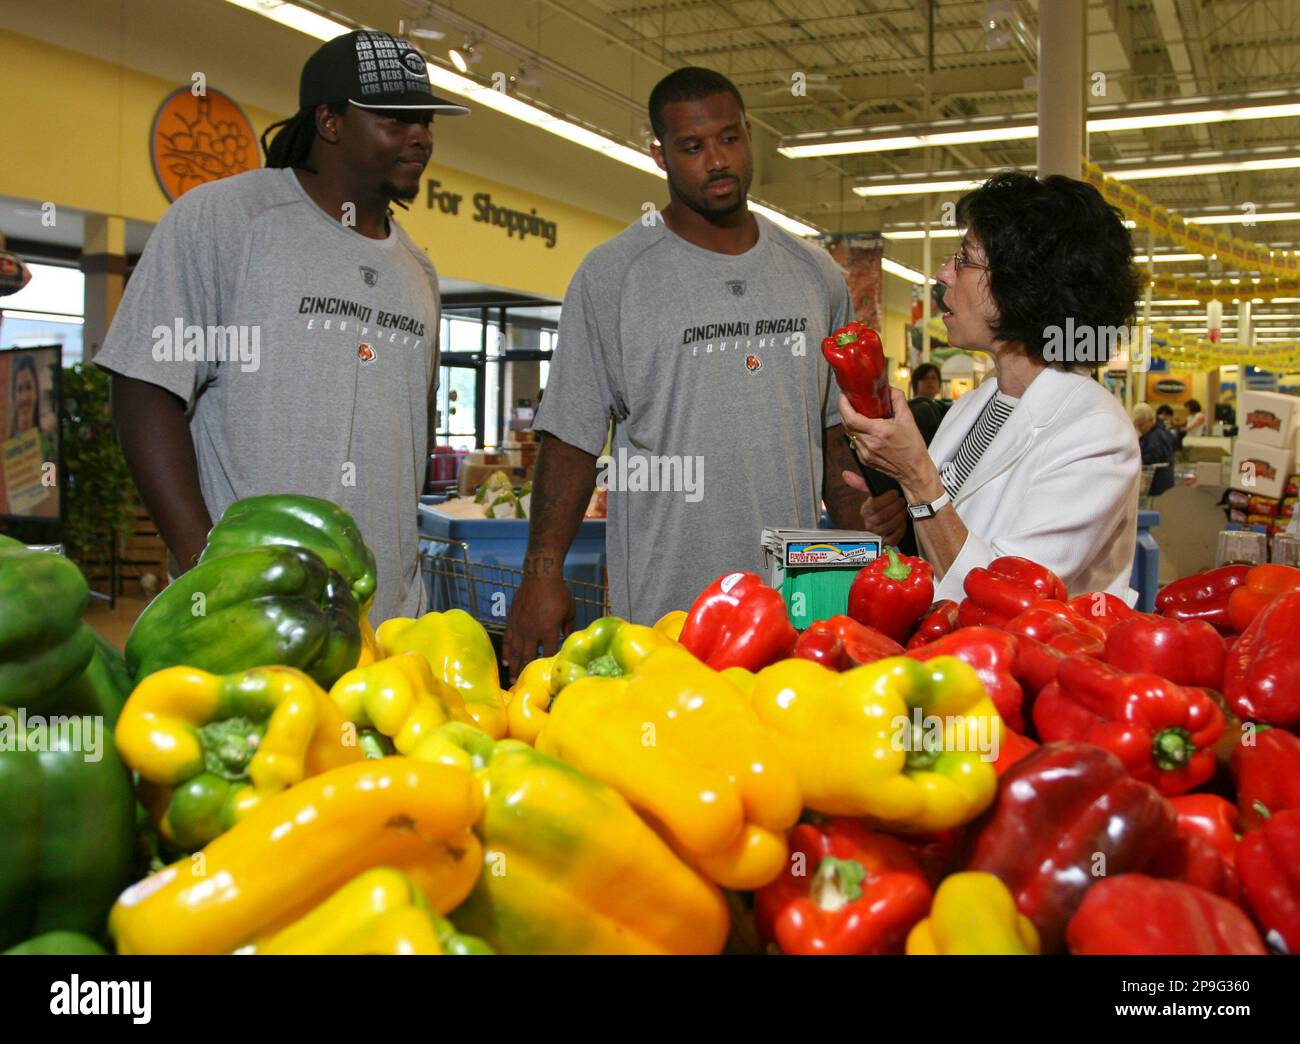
[[1017, 772]]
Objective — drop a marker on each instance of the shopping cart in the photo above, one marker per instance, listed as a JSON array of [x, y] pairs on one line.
[[485, 590], [1144, 489]]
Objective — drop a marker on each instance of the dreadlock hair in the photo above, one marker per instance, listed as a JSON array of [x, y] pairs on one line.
[[293, 140], [688, 84]]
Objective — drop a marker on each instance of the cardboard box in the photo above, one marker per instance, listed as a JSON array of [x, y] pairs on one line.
[[1209, 473], [1268, 419], [474, 475], [1259, 469]]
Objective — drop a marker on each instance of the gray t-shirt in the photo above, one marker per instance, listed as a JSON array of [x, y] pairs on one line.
[[711, 367], [319, 383]]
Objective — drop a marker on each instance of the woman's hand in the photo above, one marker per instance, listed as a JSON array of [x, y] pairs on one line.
[[894, 445]]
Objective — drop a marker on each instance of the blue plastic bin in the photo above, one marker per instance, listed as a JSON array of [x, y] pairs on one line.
[[1146, 562], [477, 565]]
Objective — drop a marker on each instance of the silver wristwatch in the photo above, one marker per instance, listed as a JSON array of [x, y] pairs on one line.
[[920, 511]]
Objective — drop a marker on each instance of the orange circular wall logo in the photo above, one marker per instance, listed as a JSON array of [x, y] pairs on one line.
[[200, 139]]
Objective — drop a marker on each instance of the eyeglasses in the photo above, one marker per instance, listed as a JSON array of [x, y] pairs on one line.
[[960, 261]]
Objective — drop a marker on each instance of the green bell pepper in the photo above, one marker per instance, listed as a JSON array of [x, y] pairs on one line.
[[68, 944], [610, 647], [283, 518], [43, 643], [260, 607], [67, 830], [454, 944]]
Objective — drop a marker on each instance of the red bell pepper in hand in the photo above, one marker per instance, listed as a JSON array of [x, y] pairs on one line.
[[841, 643], [1101, 608], [1202, 596], [892, 593], [846, 890], [1266, 766], [1268, 861], [858, 358], [1262, 584], [1187, 652], [738, 621], [1262, 677], [1162, 732], [993, 655], [1055, 624], [1063, 817], [1211, 818], [939, 619], [1005, 589], [1134, 914]]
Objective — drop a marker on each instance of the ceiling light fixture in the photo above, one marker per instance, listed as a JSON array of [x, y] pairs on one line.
[[910, 274]]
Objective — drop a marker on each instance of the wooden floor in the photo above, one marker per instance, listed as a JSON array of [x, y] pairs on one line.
[[115, 624]]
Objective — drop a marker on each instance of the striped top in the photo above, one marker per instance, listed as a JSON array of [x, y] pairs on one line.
[[955, 472]]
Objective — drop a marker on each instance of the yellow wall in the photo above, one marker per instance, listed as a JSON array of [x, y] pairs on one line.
[[80, 138]]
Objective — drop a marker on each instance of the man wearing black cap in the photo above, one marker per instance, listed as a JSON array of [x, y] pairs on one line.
[[280, 334]]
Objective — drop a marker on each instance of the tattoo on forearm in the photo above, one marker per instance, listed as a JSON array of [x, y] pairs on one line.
[[539, 566]]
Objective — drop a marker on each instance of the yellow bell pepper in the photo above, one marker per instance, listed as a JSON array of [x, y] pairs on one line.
[[529, 700], [210, 748], [909, 744], [682, 745], [370, 651], [460, 653], [377, 912], [399, 698], [671, 624], [973, 913], [570, 868], [297, 849]]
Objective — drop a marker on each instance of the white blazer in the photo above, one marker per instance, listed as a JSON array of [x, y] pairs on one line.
[[1057, 485]]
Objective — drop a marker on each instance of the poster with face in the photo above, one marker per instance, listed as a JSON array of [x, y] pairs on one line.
[[29, 430]]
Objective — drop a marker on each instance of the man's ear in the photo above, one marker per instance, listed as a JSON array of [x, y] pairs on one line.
[[327, 123], [657, 154]]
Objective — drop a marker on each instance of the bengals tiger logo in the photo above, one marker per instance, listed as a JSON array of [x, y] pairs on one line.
[[753, 363], [365, 353]]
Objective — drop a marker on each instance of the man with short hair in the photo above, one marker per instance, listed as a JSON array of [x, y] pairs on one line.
[[1157, 448], [698, 331], [330, 392]]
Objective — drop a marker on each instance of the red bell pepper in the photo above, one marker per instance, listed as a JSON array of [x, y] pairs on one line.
[[1036, 667], [841, 643], [993, 655], [1192, 860], [1266, 766], [738, 621], [1187, 652], [1063, 817], [1162, 732], [1268, 861], [1005, 589], [1134, 914], [1202, 596], [1210, 817], [846, 890], [1262, 584], [1101, 608], [855, 352], [1013, 749], [892, 593], [1262, 676], [939, 619], [933, 852], [1055, 624]]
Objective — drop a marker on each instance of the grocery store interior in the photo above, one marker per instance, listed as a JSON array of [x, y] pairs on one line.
[[1146, 669]]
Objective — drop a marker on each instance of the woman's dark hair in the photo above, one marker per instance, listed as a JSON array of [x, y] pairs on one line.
[[1056, 250], [1193, 406], [689, 84], [923, 371], [293, 139]]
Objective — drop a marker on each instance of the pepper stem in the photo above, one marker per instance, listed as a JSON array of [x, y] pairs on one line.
[[897, 568], [228, 746], [1261, 810], [837, 883], [844, 338], [1172, 749], [605, 667]]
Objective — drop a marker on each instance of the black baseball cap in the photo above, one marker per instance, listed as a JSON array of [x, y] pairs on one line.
[[371, 71]]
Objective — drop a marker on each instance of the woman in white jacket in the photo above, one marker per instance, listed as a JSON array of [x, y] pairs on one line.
[[1042, 462]]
